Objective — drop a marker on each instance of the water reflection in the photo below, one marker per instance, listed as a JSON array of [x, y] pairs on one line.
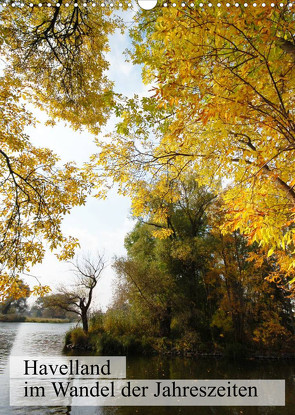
[[31, 339], [7, 336], [47, 339], [39, 339], [180, 368]]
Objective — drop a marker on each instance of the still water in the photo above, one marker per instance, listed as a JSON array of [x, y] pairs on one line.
[[18, 339]]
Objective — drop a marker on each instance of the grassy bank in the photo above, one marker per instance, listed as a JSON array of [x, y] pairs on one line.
[[13, 318], [122, 333], [106, 344], [46, 320]]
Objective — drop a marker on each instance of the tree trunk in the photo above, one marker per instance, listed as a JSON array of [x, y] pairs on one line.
[[84, 321]]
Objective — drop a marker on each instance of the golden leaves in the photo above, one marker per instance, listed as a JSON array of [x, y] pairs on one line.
[[225, 87], [60, 56], [35, 194], [40, 291]]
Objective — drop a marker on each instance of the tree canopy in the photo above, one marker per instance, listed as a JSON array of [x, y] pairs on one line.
[[198, 289], [59, 54], [54, 58], [223, 105], [36, 193]]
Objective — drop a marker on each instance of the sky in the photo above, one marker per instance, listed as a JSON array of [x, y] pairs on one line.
[[100, 225]]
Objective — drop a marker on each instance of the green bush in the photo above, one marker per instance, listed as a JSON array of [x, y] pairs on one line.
[[77, 339], [122, 322], [105, 343], [163, 345], [96, 320], [108, 344]]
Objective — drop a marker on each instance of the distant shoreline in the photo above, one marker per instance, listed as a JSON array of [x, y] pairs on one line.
[[23, 319]]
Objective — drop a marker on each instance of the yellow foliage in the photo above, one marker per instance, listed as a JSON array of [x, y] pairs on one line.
[[271, 333], [36, 193], [223, 107], [59, 53], [55, 58]]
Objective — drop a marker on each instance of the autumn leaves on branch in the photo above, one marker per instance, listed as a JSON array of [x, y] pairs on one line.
[[223, 107], [55, 59]]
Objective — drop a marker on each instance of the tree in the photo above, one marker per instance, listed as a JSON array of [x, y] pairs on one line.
[[36, 193], [78, 298], [163, 278], [19, 305], [54, 58], [223, 106], [197, 285], [42, 308]]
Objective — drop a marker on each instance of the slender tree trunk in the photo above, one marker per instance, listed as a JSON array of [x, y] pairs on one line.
[[84, 321]]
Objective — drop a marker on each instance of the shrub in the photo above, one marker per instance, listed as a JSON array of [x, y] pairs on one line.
[[106, 343], [77, 338]]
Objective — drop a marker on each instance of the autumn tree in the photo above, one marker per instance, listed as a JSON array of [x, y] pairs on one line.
[[201, 288], [249, 310], [36, 193], [54, 58], [59, 54], [19, 305], [77, 299], [163, 278], [223, 106]]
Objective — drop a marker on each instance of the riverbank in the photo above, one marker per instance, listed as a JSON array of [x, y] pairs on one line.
[[14, 318], [102, 343]]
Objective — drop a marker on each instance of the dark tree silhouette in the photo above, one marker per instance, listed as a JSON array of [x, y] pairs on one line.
[[77, 299]]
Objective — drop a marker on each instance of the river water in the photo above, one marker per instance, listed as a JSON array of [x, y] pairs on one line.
[[33, 339]]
